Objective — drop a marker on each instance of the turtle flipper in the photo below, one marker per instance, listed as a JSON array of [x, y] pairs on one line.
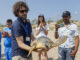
[[30, 51], [59, 42]]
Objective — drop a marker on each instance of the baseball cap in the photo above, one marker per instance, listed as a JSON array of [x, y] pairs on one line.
[[66, 14], [41, 15]]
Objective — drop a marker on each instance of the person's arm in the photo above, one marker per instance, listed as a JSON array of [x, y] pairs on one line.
[[37, 32], [17, 30], [9, 35], [76, 41], [39, 28], [56, 31], [21, 43], [4, 34], [45, 31], [56, 34], [76, 46]]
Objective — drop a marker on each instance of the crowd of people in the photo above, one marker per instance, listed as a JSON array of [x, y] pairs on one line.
[[18, 35]]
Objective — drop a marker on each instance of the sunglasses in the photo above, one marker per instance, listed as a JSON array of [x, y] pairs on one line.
[[22, 11]]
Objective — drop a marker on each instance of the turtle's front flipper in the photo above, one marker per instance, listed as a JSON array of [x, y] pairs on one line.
[[30, 51], [59, 42]]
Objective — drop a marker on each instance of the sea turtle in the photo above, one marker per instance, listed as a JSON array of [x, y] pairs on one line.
[[45, 43]]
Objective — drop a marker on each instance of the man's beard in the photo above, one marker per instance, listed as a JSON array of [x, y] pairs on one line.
[[66, 21], [24, 18]]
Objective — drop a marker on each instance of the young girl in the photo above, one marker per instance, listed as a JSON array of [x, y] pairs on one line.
[[42, 30]]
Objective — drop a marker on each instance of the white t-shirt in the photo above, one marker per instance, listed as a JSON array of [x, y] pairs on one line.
[[41, 33], [70, 31]]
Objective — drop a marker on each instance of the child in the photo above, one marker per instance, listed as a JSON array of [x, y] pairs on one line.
[[6, 34]]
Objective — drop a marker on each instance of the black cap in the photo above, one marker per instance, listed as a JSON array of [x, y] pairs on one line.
[[66, 14]]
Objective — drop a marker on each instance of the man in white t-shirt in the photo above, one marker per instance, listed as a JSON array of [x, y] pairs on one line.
[[68, 49]]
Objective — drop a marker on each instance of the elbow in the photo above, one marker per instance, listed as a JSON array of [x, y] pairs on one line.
[[20, 45]]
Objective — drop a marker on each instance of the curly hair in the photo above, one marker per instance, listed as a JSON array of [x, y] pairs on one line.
[[17, 7]]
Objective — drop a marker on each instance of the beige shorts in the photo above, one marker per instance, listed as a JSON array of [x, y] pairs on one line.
[[20, 58]]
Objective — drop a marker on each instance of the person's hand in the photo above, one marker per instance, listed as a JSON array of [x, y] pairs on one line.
[[73, 52], [57, 26], [4, 33], [29, 47], [41, 25]]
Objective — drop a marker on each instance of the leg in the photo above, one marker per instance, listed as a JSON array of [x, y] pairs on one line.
[[10, 57], [45, 54], [62, 54], [6, 54], [68, 57], [39, 55]]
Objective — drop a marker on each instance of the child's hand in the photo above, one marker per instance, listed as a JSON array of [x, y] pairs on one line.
[[6, 33]]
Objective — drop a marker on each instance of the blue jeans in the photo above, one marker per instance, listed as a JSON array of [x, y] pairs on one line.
[[8, 54], [64, 53]]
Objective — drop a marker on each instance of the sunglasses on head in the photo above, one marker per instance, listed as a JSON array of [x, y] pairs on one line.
[[22, 11]]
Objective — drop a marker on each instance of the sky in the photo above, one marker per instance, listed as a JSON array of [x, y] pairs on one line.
[[50, 8]]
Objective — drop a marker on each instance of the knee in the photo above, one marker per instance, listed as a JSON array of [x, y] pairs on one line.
[[45, 54], [39, 54]]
